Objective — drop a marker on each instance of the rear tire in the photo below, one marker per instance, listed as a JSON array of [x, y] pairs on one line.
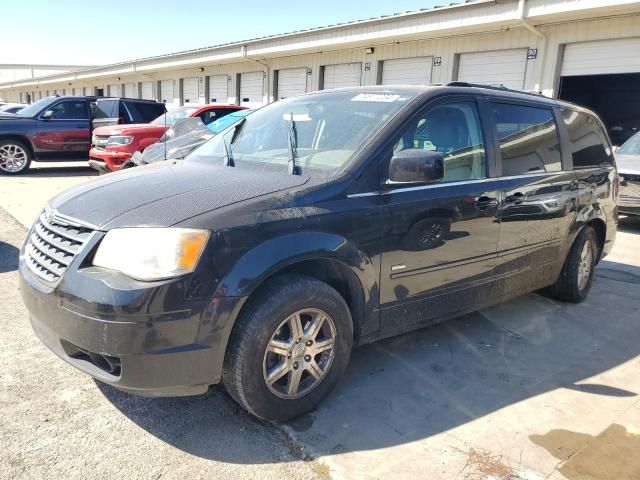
[[277, 365], [15, 157], [576, 276]]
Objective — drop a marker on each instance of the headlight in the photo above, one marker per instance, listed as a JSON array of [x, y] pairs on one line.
[[151, 253], [119, 140]]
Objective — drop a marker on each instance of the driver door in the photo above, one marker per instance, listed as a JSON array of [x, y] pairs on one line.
[[440, 240]]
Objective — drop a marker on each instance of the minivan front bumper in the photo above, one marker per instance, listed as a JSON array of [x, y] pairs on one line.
[[148, 341]]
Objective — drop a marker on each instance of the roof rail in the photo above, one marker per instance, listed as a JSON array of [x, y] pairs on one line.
[[500, 87]]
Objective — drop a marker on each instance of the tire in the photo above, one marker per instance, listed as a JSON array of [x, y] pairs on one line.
[[15, 157], [572, 286], [267, 320]]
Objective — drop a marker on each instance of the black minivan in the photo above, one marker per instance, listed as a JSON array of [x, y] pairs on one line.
[[315, 224]]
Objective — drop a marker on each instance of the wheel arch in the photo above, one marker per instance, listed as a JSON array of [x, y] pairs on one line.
[[20, 138]]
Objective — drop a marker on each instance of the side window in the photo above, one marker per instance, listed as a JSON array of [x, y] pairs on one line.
[[528, 137], [454, 130], [589, 145], [213, 115], [70, 110], [106, 109]]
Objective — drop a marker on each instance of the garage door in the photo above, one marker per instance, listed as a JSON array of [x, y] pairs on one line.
[[343, 75], [292, 82], [146, 90], [407, 71], [166, 91], [500, 67], [218, 89], [251, 89], [597, 58], [190, 90], [114, 90], [130, 90]]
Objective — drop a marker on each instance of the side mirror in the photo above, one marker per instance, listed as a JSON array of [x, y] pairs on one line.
[[416, 166], [47, 115]]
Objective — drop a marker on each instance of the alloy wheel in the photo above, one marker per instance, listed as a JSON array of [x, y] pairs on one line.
[[299, 353], [13, 158], [584, 268]]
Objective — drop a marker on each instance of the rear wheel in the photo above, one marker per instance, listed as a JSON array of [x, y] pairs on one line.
[[576, 277], [289, 347], [15, 157]]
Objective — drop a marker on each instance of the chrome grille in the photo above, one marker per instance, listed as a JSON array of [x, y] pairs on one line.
[[630, 188], [52, 244]]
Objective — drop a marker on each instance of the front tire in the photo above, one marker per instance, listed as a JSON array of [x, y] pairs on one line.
[[15, 157], [289, 347], [576, 276]]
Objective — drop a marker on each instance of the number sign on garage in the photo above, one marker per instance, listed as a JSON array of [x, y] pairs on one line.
[[251, 89], [500, 67], [407, 71], [291, 82], [342, 75], [190, 90]]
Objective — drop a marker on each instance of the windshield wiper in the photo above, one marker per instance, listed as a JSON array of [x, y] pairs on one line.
[[293, 147], [228, 157]]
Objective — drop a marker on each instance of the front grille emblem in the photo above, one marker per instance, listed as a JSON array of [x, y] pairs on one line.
[[50, 214]]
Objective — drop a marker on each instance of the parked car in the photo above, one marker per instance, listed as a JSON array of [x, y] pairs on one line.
[[53, 128], [628, 160], [11, 107], [123, 111], [269, 252], [185, 136], [113, 146]]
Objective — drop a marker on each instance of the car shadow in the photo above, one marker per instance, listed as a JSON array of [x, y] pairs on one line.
[[417, 385], [629, 225], [8, 257], [60, 169]]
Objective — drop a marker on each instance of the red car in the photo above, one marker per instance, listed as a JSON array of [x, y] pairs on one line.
[[112, 146]]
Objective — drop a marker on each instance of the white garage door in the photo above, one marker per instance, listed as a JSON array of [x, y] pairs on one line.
[[130, 90], [218, 89], [146, 90], [114, 90], [343, 75], [500, 67], [605, 57], [292, 82], [190, 90], [251, 89], [166, 91], [407, 71]]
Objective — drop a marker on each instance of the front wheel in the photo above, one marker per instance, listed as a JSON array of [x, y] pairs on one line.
[[289, 347], [15, 157], [576, 276]]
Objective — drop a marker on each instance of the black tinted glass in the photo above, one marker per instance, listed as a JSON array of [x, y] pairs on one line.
[[589, 145], [528, 138], [213, 115], [106, 109], [144, 112], [70, 110]]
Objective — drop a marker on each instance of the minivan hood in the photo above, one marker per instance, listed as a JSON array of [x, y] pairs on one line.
[[166, 193], [628, 164]]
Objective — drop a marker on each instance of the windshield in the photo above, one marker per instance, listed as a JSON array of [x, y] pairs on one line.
[[631, 146], [228, 120], [174, 115], [328, 129], [35, 107]]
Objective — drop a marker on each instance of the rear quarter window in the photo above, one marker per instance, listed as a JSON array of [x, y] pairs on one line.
[[589, 144], [106, 109]]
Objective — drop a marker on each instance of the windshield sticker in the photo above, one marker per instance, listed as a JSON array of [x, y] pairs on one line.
[[375, 97]]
